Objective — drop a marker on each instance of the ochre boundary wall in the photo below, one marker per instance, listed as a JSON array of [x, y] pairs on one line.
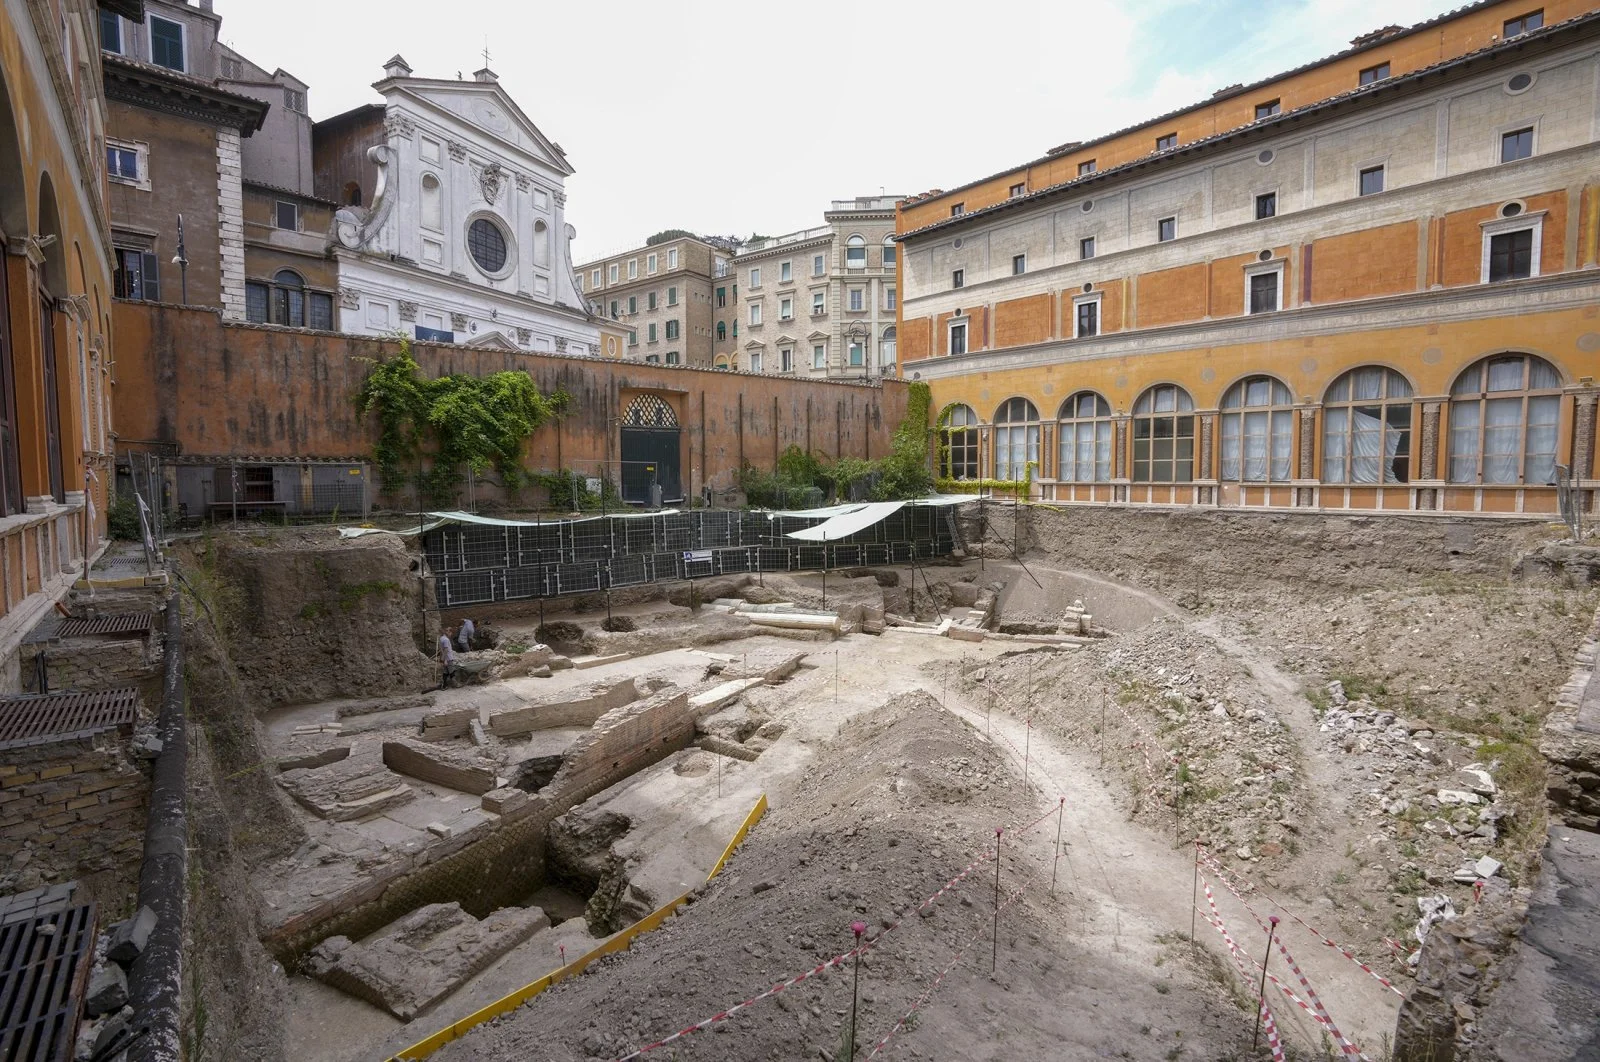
[[199, 387], [621, 941]]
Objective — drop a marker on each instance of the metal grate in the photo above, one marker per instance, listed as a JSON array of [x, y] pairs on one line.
[[32, 717], [44, 962], [121, 623]]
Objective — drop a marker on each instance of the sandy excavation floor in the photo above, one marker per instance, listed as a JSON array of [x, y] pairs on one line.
[[903, 752]]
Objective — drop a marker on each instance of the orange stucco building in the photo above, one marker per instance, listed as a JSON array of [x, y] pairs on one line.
[[1368, 283], [55, 308]]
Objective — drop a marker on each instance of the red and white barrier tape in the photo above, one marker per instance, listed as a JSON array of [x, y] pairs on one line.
[[1224, 874], [1346, 1048], [983, 857], [1271, 1029], [1239, 957], [951, 965]]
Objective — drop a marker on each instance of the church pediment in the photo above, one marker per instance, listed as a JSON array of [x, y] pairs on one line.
[[488, 108], [494, 341]]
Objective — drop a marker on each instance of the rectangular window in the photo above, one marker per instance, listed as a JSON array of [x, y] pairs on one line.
[[650, 301], [1264, 292], [633, 304], [1167, 142], [958, 338], [1372, 180], [1019, 264], [1086, 247], [786, 359], [289, 307], [755, 278], [633, 268], [650, 332], [786, 309], [672, 357], [819, 356], [672, 258], [1086, 168], [650, 263], [653, 359], [122, 163], [288, 216], [672, 295], [1268, 109], [958, 278], [1266, 205], [137, 276], [755, 313], [957, 209], [1166, 229], [594, 278], [819, 304], [1374, 73], [294, 100], [633, 339], [890, 252], [110, 32], [319, 311], [1517, 144], [785, 272], [672, 330], [166, 43], [1516, 27], [816, 265], [611, 273], [1511, 255], [858, 300], [722, 296], [855, 253], [755, 361], [257, 302], [613, 309], [890, 297], [857, 356], [1019, 190], [1088, 318]]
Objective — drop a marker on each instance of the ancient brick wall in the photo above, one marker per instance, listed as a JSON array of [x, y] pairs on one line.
[[73, 809]]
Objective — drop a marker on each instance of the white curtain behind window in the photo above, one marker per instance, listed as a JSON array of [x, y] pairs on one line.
[[1539, 460], [1334, 425], [1463, 442], [1502, 429]]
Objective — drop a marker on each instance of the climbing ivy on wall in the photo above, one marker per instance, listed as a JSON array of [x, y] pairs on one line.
[[456, 422]]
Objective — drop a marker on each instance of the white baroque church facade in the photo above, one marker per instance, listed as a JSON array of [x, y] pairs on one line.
[[453, 226]]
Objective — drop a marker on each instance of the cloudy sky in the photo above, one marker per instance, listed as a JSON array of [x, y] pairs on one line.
[[735, 117]]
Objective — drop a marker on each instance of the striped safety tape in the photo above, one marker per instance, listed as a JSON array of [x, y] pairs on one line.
[[1346, 1048], [1270, 1027]]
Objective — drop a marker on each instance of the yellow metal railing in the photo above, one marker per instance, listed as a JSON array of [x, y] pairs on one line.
[[618, 942]]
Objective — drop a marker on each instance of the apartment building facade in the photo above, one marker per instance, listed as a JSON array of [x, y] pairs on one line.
[[818, 303], [1370, 284], [661, 295], [56, 339]]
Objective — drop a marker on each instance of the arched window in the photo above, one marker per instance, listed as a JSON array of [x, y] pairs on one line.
[[889, 252], [722, 330], [1016, 439], [1366, 428], [886, 349], [1257, 431], [432, 211], [1163, 436], [352, 193], [1086, 435], [1504, 416], [288, 299], [958, 443], [855, 252]]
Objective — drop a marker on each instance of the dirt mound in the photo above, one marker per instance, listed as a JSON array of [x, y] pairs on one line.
[[895, 807], [619, 625]]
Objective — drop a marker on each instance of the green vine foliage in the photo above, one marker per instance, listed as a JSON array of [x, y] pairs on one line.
[[459, 422]]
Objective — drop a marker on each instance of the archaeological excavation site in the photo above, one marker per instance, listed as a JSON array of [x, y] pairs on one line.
[[960, 779]]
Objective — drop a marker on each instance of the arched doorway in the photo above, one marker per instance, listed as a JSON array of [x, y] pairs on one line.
[[650, 454]]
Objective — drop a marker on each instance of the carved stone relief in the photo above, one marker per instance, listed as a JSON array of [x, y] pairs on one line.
[[458, 322], [408, 311]]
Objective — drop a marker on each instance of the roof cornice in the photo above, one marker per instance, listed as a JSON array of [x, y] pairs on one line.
[[1538, 42], [155, 88]]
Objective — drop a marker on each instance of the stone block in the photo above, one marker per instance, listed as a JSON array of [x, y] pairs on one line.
[[129, 938], [504, 800], [449, 724], [966, 634], [347, 790], [438, 766], [108, 990], [312, 760], [579, 707]]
